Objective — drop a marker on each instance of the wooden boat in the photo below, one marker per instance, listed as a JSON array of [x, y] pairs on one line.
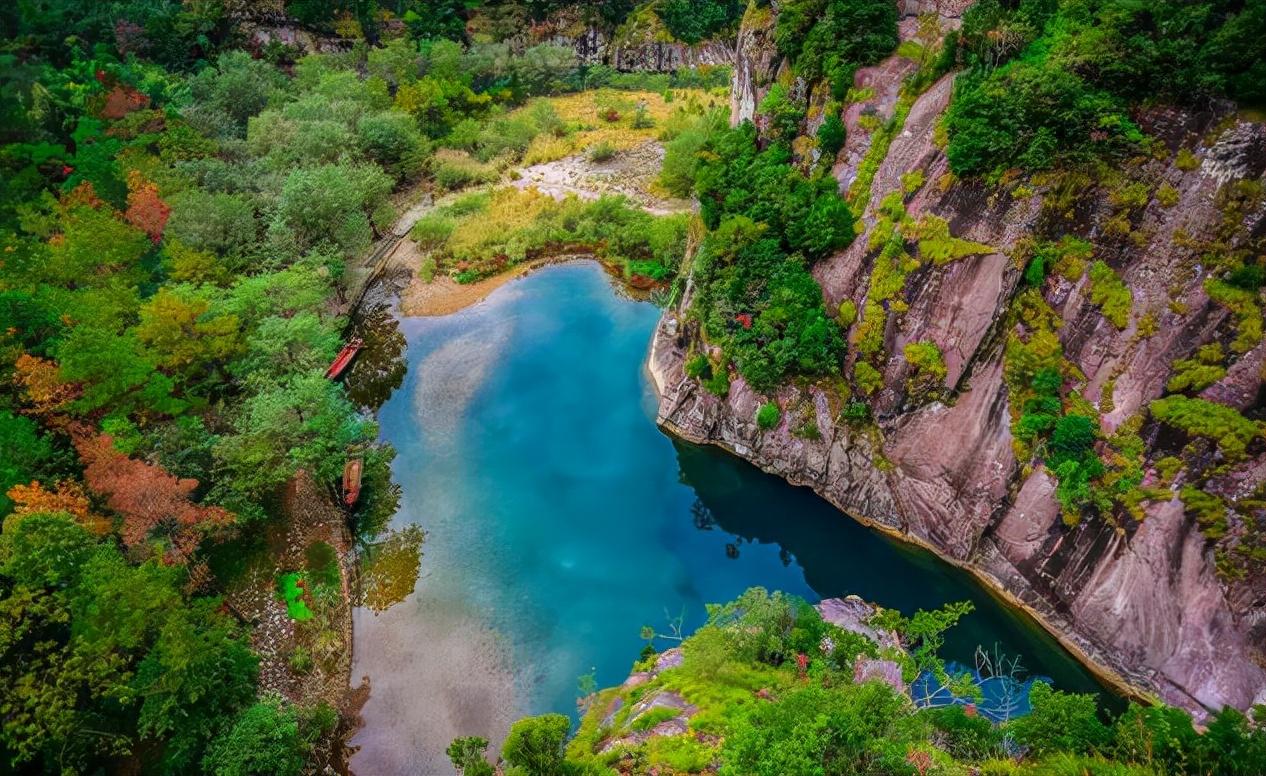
[[344, 358], [351, 481]]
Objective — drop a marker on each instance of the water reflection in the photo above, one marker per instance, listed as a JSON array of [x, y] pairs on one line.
[[389, 568], [839, 556], [379, 367]]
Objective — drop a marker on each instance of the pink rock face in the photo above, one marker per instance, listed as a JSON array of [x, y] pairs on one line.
[[1143, 600]]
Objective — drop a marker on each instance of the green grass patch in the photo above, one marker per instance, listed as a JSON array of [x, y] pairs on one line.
[[290, 587]]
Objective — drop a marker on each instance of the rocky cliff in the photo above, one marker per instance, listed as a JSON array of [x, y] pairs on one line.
[[1139, 596], [641, 44]]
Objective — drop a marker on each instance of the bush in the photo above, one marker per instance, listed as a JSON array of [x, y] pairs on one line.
[[269, 737], [831, 136], [1059, 722], [768, 415], [601, 151], [457, 169], [1197, 417], [691, 21], [929, 366], [1111, 294], [431, 231], [536, 744], [698, 367], [1072, 439], [970, 737], [681, 152]]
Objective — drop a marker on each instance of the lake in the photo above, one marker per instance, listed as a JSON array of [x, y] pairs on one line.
[[559, 520]]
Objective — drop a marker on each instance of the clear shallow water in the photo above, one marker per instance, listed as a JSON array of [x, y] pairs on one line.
[[559, 520]]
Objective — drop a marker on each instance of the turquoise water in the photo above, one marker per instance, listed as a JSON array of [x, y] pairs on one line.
[[560, 520]]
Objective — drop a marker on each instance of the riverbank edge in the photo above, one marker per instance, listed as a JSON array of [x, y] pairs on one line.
[[1105, 674]]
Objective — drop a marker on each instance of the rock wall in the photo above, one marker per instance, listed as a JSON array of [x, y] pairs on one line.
[[628, 49], [1140, 601]]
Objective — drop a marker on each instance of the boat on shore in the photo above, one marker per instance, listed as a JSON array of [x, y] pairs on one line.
[[344, 358]]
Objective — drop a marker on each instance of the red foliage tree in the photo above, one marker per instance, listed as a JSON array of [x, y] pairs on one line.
[[145, 209], [120, 101], [153, 503], [68, 496]]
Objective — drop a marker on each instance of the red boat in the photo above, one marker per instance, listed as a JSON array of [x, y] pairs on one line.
[[344, 358], [351, 481]]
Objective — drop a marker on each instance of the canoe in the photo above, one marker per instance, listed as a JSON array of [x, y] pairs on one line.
[[351, 481], [344, 358]]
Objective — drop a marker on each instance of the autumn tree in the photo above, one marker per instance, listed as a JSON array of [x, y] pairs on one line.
[[153, 504], [145, 209], [42, 384], [66, 497]]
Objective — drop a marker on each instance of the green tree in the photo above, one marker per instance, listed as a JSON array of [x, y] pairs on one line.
[[535, 744], [305, 422], [198, 672], [1059, 722], [268, 737], [24, 452], [468, 756], [237, 88], [331, 205], [219, 222]]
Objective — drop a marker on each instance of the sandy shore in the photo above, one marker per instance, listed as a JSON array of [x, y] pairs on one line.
[[444, 296]]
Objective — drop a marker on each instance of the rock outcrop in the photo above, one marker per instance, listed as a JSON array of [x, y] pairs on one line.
[[636, 46], [1139, 599]]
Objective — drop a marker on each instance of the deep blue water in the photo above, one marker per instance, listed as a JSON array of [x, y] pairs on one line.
[[560, 520]]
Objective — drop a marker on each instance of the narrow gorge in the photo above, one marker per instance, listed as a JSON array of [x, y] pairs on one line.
[[1140, 596]]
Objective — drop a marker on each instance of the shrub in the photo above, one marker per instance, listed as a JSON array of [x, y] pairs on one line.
[[458, 169], [431, 231], [869, 379], [1111, 294], [768, 415], [855, 412], [929, 366], [1197, 417], [698, 366], [912, 181], [535, 744], [831, 136], [601, 151], [967, 737], [1072, 439], [1059, 722], [1196, 374], [300, 660]]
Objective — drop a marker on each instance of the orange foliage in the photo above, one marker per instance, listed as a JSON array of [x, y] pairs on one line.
[[69, 497], [145, 209], [122, 100], [153, 503], [83, 194], [44, 387]]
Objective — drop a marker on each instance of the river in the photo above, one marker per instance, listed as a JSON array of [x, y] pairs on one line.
[[559, 519]]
